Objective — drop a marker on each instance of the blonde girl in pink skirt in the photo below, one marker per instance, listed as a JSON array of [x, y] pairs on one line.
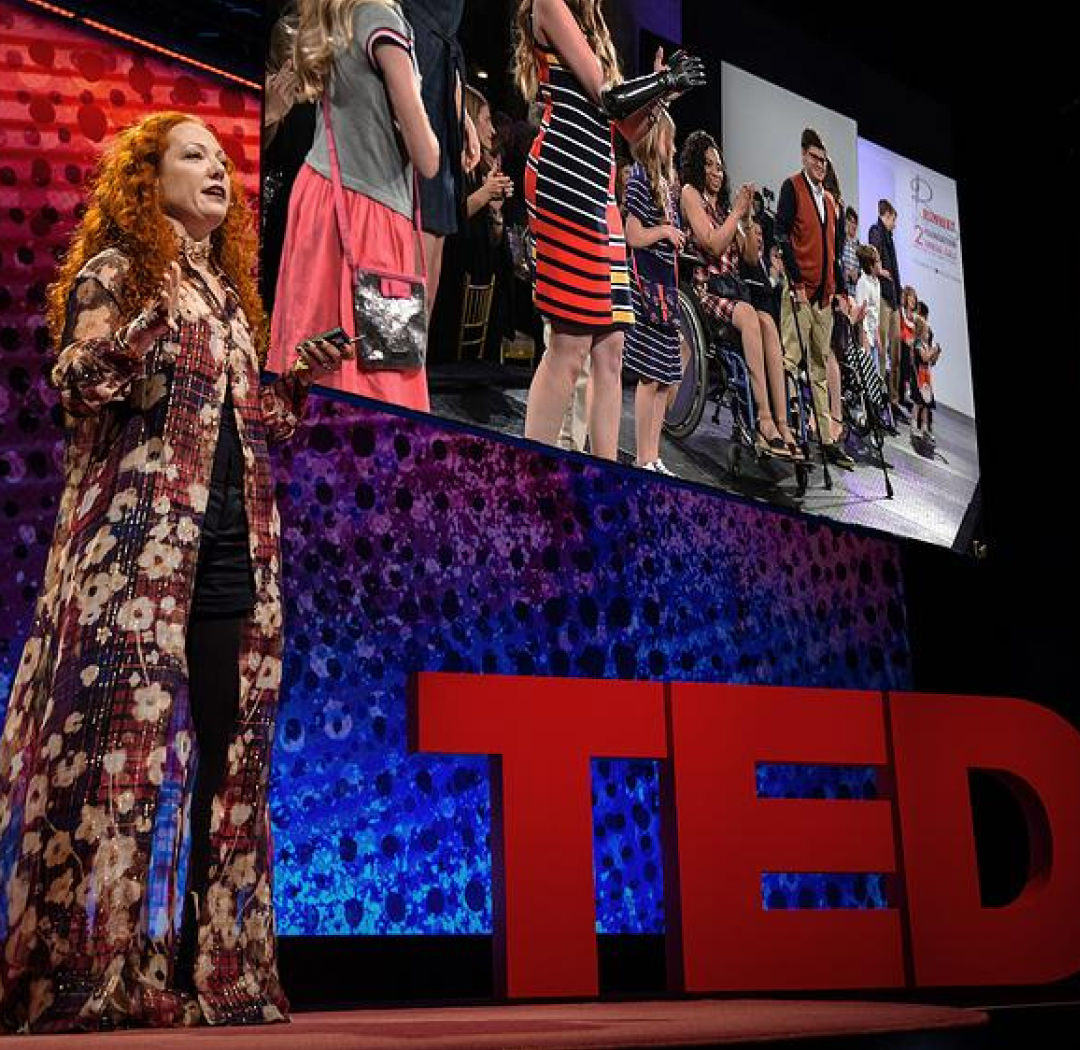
[[359, 55]]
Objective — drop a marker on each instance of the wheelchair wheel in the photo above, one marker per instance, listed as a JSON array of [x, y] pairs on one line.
[[686, 403]]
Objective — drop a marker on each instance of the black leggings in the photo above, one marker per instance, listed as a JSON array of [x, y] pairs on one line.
[[213, 653]]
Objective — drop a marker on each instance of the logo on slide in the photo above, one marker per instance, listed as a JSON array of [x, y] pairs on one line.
[[922, 192]]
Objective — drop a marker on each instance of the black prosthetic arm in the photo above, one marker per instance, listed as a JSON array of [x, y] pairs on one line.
[[683, 73]]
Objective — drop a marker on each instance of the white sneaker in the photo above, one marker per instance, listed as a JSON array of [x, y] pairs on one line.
[[661, 468], [647, 466]]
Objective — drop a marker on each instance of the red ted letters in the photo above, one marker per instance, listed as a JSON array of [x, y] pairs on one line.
[[720, 837]]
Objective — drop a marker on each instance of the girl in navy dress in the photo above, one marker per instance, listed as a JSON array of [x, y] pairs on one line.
[[655, 236]]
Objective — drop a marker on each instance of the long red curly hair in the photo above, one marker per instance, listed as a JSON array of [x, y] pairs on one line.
[[124, 212]]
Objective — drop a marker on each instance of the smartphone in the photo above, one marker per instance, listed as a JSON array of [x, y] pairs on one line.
[[336, 336]]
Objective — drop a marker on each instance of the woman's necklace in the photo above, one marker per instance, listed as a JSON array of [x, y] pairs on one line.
[[197, 253], [197, 256]]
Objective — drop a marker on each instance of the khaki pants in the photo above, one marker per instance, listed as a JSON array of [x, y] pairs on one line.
[[815, 324]]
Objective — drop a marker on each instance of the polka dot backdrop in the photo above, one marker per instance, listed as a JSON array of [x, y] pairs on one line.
[[411, 546]]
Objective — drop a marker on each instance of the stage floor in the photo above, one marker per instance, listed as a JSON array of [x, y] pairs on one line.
[[931, 498], [579, 1026]]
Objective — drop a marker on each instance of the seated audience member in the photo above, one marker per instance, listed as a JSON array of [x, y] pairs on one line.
[[480, 250]]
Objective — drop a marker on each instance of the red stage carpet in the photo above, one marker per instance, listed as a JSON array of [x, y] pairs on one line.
[[581, 1026]]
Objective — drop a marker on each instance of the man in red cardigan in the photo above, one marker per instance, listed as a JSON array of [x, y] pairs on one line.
[[811, 240]]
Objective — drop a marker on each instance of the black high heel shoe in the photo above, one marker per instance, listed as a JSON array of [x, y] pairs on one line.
[[774, 447]]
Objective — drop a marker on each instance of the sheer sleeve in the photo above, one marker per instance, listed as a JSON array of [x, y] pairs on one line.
[[100, 356]]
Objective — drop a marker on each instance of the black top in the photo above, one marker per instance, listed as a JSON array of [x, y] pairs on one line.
[[224, 585], [882, 240]]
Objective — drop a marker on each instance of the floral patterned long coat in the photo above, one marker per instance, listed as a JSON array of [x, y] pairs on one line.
[[97, 755]]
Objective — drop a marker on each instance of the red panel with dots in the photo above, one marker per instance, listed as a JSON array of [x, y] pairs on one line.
[[64, 91]]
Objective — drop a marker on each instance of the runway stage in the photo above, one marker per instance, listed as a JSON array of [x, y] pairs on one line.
[[577, 1026]]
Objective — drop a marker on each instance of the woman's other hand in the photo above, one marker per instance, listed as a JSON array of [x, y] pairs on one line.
[[744, 200], [497, 186], [674, 236]]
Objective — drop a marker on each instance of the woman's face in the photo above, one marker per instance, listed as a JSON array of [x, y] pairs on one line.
[[485, 130], [195, 188], [714, 171]]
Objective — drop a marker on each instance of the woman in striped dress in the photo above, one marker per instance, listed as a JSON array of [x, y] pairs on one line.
[[654, 234], [564, 51]]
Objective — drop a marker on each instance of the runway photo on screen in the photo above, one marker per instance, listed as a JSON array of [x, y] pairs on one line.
[[776, 310]]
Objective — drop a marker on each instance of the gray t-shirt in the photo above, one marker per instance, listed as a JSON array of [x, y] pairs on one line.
[[372, 156]]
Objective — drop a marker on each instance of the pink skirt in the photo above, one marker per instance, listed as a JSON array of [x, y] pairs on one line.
[[314, 289]]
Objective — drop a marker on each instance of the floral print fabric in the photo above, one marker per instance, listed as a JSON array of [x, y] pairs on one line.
[[98, 752]]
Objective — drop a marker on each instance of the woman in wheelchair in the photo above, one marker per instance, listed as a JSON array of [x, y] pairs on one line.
[[722, 234]]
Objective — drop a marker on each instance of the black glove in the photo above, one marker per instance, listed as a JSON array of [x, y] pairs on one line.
[[684, 73]]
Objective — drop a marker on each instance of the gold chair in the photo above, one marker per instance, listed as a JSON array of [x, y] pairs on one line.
[[521, 348], [475, 315]]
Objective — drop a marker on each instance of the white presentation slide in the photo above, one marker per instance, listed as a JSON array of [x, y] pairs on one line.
[[763, 126], [927, 238]]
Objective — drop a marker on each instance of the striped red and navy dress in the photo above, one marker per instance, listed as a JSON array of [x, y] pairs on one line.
[[581, 270]]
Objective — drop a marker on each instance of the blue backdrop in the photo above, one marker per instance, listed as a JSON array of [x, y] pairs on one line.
[[412, 546]]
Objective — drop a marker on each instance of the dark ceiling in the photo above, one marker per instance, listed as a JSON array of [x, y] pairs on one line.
[[947, 54], [223, 33]]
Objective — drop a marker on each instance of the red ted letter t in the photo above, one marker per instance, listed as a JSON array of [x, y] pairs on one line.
[[543, 732]]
